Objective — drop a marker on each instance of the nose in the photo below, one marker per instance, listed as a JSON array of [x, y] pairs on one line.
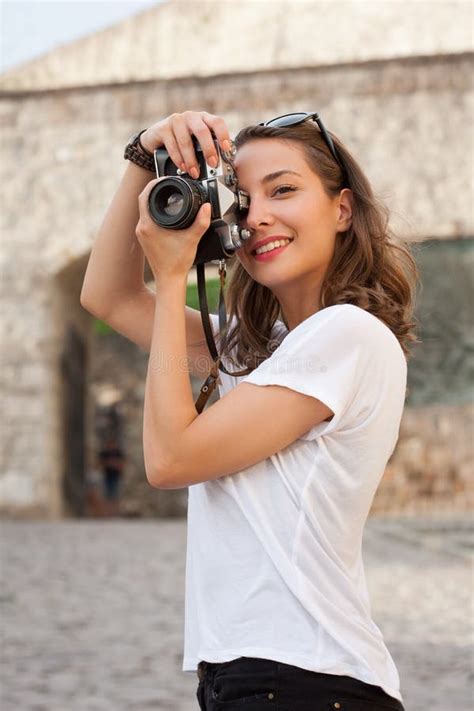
[[258, 215]]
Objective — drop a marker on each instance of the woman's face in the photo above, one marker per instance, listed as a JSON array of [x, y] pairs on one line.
[[289, 205]]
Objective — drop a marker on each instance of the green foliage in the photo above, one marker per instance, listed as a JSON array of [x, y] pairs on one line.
[[100, 327], [212, 291]]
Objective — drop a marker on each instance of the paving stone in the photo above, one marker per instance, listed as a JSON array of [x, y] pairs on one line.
[[92, 612]]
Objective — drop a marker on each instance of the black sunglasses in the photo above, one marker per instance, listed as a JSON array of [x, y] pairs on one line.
[[300, 117]]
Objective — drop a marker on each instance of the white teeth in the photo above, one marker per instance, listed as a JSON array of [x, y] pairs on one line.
[[272, 245]]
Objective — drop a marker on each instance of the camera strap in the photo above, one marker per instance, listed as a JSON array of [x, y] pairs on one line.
[[211, 381]]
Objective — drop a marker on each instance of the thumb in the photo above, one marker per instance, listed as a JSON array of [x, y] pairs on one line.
[[205, 213], [202, 220]]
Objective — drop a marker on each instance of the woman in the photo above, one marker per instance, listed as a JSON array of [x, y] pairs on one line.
[[111, 457], [282, 470]]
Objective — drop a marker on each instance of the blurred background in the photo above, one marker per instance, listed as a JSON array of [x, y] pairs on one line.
[[393, 79]]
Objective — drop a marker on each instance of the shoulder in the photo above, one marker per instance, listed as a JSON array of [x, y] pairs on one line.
[[371, 324], [333, 323], [346, 328], [377, 344], [344, 314], [349, 318]]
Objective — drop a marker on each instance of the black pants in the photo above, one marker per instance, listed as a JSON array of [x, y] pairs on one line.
[[264, 685]]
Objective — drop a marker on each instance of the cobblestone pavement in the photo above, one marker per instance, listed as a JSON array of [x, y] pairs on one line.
[[92, 613]]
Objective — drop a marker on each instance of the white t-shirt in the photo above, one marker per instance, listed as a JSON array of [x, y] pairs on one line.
[[274, 567]]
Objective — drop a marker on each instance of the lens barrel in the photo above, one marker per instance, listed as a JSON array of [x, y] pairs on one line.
[[174, 202]]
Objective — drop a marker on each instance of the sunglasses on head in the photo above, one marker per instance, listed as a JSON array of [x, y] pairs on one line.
[[300, 117]]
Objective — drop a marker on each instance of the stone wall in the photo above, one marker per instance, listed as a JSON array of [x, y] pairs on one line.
[[182, 38], [431, 468], [406, 120]]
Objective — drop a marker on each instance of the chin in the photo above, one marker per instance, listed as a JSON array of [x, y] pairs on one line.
[[276, 281]]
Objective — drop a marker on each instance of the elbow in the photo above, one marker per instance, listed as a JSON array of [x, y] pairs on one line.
[[154, 478], [87, 305], [92, 302], [162, 475], [83, 301]]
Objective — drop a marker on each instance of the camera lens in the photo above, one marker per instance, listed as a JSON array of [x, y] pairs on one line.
[[174, 202]]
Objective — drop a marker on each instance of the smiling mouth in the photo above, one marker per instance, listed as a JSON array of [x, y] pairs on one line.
[[254, 251]]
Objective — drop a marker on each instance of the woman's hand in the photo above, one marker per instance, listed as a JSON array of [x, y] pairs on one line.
[[175, 131], [170, 253]]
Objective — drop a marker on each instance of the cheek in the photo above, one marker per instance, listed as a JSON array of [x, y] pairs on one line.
[[243, 259], [240, 255]]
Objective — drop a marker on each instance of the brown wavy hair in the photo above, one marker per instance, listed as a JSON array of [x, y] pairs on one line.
[[370, 267]]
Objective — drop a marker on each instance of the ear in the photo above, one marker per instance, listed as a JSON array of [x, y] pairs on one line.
[[344, 217]]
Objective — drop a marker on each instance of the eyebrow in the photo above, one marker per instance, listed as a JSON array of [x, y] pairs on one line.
[[272, 176]]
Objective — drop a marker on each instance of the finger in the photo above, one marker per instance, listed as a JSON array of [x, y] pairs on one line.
[[203, 218], [203, 134], [183, 138], [143, 199], [205, 212], [171, 145], [220, 129], [143, 196]]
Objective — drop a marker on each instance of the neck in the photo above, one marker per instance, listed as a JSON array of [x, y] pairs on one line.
[[296, 304]]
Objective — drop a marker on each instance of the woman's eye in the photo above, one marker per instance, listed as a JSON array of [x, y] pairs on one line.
[[282, 189]]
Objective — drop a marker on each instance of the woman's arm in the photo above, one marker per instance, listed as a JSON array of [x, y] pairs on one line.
[[244, 427], [116, 265], [115, 272], [169, 405]]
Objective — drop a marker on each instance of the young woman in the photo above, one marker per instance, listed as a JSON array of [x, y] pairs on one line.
[[283, 468]]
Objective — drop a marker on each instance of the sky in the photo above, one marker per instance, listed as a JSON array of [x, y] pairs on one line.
[[30, 28]]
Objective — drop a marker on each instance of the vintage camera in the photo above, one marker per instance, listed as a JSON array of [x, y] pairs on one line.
[[175, 201]]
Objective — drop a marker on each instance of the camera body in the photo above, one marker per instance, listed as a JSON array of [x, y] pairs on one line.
[[175, 201]]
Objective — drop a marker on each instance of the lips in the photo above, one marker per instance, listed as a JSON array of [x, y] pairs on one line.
[[273, 238]]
